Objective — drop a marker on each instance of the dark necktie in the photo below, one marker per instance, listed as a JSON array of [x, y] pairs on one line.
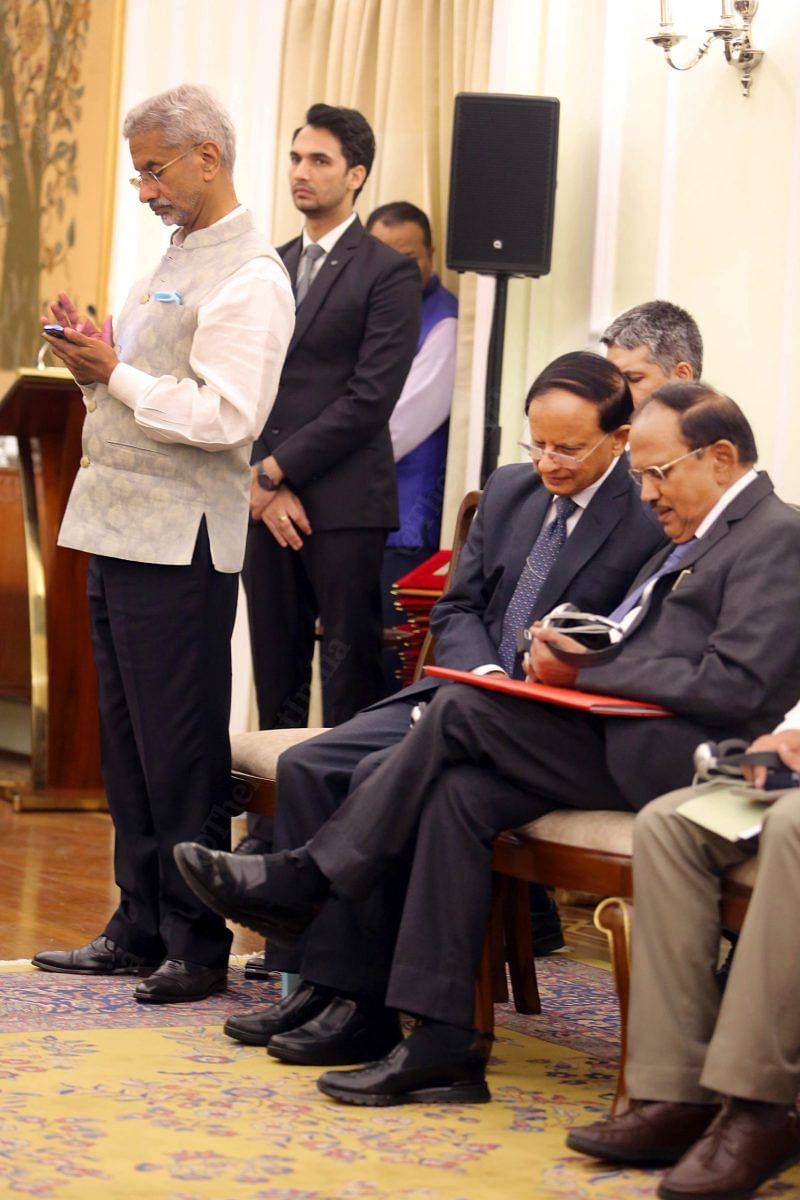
[[304, 272], [537, 567], [637, 596]]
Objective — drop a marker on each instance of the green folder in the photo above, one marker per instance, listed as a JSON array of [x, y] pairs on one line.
[[735, 812]]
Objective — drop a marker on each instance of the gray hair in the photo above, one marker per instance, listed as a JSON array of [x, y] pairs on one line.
[[669, 333], [186, 114]]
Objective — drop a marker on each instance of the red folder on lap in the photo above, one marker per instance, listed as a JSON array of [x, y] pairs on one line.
[[591, 702]]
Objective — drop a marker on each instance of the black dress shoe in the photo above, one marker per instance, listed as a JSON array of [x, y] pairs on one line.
[[343, 1033], [276, 895], [546, 931], [418, 1071], [177, 981], [256, 967], [256, 1028], [100, 957]]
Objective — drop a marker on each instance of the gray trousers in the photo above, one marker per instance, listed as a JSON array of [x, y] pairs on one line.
[[686, 1041]]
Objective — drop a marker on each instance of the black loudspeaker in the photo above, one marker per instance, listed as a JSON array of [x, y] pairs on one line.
[[502, 184]]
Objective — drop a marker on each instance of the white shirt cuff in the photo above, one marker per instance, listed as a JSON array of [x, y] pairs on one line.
[[487, 669], [129, 384]]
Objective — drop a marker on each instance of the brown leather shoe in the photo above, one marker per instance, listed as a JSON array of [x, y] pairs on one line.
[[651, 1131], [748, 1143]]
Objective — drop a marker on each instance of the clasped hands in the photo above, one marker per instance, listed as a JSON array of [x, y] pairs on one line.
[[281, 511], [85, 350]]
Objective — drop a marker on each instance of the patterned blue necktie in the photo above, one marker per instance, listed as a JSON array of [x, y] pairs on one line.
[[537, 567], [636, 596]]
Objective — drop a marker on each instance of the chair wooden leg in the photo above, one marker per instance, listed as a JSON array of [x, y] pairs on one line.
[[497, 939], [484, 995], [486, 985], [519, 946], [614, 918]]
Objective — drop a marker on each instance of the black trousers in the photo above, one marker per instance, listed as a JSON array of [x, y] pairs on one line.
[[161, 638], [422, 824], [336, 577], [350, 945]]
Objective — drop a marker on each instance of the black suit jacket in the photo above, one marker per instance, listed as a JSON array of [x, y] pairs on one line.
[[354, 341], [719, 645], [595, 569]]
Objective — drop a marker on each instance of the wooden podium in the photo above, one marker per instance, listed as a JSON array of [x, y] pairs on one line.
[[44, 411]]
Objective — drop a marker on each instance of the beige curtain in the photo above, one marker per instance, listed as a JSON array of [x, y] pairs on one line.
[[400, 62]]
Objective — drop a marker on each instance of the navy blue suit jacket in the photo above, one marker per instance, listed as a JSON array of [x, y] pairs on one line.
[[353, 343]]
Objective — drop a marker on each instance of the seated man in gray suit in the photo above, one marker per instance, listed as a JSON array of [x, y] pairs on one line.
[[688, 1046], [706, 639], [578, 411]]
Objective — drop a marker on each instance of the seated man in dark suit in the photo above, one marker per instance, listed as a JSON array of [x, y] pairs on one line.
[[706, 638], [688, 1045], [581, 494]]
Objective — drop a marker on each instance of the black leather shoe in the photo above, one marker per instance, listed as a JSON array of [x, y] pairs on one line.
[[256, 968], [546, 931], [418, 1071], [100, 957], [177, 981], [256, 1028], [276, 895], [343, 1033]]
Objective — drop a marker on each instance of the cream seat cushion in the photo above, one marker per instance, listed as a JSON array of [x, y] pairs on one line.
[[257, 754], [609, 832]]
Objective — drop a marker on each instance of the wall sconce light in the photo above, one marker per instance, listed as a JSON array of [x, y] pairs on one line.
[[733, 28]]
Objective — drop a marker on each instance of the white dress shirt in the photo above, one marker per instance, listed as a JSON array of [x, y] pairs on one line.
[[243, 329], [427, 394], [791, 720], [326, 242], [725, 499]]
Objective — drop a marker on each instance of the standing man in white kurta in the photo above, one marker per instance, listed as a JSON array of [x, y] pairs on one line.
[[160, 502]]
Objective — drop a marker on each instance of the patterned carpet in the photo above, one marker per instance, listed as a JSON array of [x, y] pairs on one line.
[[102, 1097]]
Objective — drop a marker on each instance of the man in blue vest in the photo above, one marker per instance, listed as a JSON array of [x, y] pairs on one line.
[[419, 424]]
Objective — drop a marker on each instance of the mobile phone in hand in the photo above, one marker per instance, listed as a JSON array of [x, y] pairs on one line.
[[56, 331], [778, 774]]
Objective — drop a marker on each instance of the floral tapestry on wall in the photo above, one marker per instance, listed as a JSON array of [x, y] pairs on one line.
[[59, 81]]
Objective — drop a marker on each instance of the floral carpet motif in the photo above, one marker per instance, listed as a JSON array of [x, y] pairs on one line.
[[101, 1097]]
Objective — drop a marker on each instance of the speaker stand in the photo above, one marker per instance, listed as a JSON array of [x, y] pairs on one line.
[[494, 377]]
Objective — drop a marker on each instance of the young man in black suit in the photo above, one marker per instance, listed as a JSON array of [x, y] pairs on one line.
[[323, 491], [578, 412]]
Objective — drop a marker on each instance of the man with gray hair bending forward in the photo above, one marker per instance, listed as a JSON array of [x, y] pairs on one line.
[[160, 503]]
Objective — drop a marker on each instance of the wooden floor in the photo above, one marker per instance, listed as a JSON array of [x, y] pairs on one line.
[[56, 882], [57, 888]]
